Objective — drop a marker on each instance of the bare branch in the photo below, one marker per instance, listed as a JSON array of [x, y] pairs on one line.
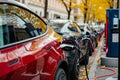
[[65, 5]]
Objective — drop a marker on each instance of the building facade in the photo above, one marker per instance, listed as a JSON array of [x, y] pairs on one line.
[[55, 8], [79, 15]]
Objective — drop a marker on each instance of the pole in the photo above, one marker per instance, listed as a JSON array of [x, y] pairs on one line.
[[119, 45], [45, 9]]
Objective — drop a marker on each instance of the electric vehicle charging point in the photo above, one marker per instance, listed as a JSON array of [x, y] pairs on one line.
[[111, 58], [112, 37]]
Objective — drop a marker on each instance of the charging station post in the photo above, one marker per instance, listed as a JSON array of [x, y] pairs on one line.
[[113, 49], [112, 37], [113, 31], [119, 46]]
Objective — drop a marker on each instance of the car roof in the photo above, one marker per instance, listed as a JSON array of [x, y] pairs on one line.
[[82, 24], [59, 21]]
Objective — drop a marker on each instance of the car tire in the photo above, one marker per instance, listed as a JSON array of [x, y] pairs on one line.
[[60, 74], [85, 58], [75, 70], [89, 47], [90, 51], [96, 43]]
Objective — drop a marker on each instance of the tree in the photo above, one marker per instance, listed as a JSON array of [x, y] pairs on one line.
[[85, 2], [91, 9], [94, 9], [68, 5], [112, 3]]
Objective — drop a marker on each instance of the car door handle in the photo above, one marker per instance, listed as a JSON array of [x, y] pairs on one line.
[[14, 61], [48, 48]]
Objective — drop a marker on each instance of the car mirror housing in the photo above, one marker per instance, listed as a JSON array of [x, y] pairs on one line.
[[67, 47], [87, 33]]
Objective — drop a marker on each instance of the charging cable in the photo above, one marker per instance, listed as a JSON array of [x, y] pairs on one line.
[[104, 75], [85, 63]]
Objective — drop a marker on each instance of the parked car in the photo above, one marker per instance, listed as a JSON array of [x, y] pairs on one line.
[[90, 34], [29, 48], [71, 33]]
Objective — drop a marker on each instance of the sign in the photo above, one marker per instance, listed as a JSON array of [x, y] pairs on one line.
[[115, 37]]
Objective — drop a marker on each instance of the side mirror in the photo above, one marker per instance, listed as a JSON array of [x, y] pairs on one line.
[[82, 30], [87, 33], [67, 47], [65, 35], [73, 29]]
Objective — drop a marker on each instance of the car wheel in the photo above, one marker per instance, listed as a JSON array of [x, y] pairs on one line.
[[85, 58], [60, 74], [75, 71], [96, 43], [88, 46], [90, 50]]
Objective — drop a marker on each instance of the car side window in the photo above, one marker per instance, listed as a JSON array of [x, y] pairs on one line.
[[72, 28], [18, 24]]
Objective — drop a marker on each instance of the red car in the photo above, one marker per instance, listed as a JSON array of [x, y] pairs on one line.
[[29, 49]]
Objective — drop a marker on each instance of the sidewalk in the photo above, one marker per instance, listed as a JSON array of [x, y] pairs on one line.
[[96, 70], [103, 72]]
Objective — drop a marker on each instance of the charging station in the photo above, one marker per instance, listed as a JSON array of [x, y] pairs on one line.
[[113, 32], [112, 39]]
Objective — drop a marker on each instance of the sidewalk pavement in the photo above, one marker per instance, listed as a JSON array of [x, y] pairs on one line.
[[96, 70]]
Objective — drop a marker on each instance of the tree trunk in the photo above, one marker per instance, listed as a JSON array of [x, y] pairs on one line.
[[118, 4], [69, 14], [85, 15], [45, 9]]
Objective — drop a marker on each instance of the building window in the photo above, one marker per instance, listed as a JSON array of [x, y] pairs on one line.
[[51, 15], [36, 12], [17, 0], [23, 1], [40, 13]]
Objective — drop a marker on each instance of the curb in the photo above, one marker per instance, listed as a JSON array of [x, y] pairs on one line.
[[109, 61], [92, 72], [94, 66]]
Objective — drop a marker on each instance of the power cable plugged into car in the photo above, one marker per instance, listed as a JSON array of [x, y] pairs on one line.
[[79, 49], [71, 43], [85, 64], [67, 46]]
